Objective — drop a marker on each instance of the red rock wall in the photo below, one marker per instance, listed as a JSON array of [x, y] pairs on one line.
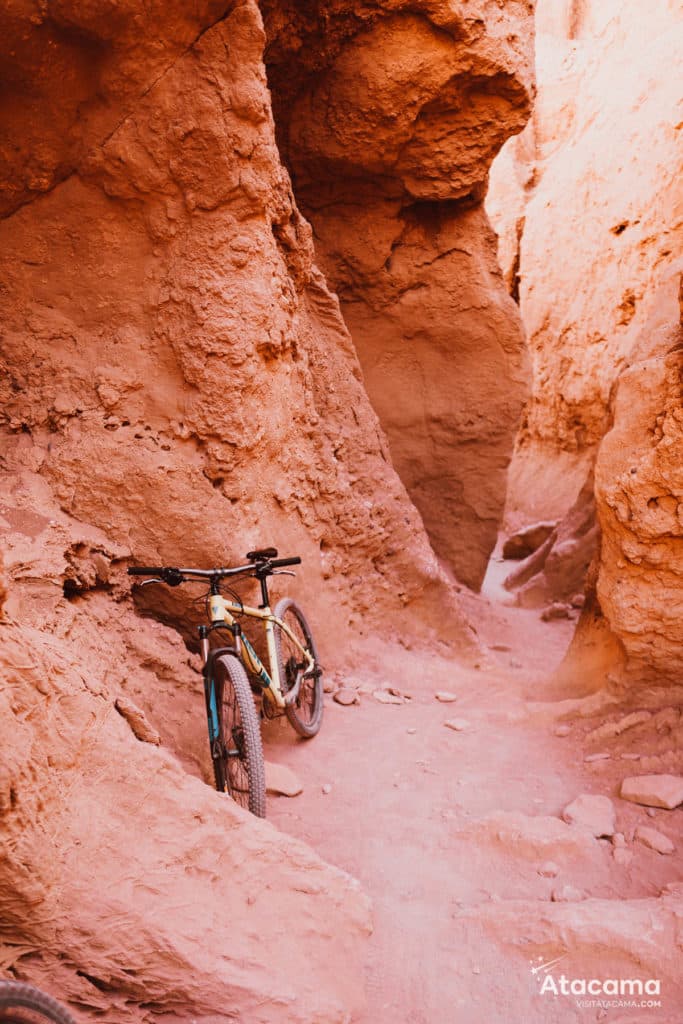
[[178, 386], [639, 490], [388, 117], [587, 204], [177, 370]]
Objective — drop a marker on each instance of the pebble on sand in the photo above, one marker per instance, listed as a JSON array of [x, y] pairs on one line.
[[459, 724], [346, 697], [654, 790], [654, 839], [282, 780]]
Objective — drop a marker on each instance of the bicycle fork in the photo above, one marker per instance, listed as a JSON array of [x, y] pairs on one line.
[[212, 718]]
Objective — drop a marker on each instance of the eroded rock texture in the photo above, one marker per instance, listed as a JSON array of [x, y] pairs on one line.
[[178, 386], [587, 204], [176, 367], [639, 488], [389, 114], [129, 887]]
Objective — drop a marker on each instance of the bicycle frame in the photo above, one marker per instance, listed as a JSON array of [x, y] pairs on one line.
[[222, 613]]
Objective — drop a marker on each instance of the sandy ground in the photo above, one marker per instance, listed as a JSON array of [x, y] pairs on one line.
[[462, 896]]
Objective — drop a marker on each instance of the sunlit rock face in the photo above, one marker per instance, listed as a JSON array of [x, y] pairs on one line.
[[639, 489], [388, 116], [587, 203]]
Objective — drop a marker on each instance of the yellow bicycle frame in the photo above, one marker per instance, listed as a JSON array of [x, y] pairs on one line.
[[221, 611]]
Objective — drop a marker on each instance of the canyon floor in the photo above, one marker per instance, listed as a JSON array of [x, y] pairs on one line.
[[456, 835]]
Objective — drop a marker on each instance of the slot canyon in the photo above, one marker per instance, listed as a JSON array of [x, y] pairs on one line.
[[394, 286]]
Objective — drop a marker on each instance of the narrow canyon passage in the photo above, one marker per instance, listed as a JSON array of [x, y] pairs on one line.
[[457, 836], [250, 296]]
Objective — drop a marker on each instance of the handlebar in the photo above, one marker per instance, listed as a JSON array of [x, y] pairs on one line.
[[174, 576]]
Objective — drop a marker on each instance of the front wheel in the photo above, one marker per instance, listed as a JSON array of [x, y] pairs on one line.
[[25, 1004], [238, 762], [306, 713]]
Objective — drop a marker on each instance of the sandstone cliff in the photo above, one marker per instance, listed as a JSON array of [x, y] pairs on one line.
[[388, 117], [639, 490], [178, 386], [587, 203]]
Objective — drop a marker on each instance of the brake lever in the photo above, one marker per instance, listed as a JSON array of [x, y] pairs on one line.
[[283, 572], [154, 580]]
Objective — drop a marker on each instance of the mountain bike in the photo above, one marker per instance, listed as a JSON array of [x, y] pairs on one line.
[[291, 686], [25, 1004]]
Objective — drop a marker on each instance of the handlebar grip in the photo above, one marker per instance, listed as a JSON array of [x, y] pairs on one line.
[[146, 570], [280, 563]]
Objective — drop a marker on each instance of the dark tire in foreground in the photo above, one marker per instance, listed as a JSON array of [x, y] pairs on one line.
[[239, 770], [306, 713], [25, 1004]]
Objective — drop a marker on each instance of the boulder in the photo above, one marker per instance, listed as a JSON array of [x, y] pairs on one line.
[[654, 839], [654, 790], [593, 813], [525, 541]]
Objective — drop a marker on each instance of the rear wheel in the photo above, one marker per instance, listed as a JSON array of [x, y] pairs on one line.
[[238, 766], [306, 713], [24, 1004]]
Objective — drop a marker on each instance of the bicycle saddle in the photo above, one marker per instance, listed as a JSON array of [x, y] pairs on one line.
[[261, 553]]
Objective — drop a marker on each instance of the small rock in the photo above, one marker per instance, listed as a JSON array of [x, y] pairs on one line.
[[622, 856], [524, 542], [630, 757], [102, 567], [459, 724], [654, 790], [610, 729], [556, 610], [346, 697], [590, 758], [63, 404], [578, 601], [329, 686], [563, 730], [654, 839], [651, 812], [567, 894], [500, 647], [619, 841], [384, 697], [327, 789], [282, 780], [137, 720], [445, 696], [593, 813], [411, 732], [476, 970], [549, 869], [397, 693]]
